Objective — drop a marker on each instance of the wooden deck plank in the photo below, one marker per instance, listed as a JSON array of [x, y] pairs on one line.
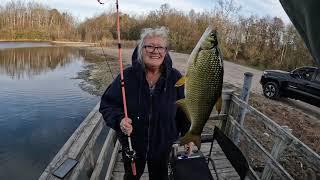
[[118, 167], [110, 139], [112, 161], [223, 166], [119, 176], [119, 158]]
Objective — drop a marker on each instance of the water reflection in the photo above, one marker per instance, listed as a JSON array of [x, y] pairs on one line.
[[41, 106], [25, 63]]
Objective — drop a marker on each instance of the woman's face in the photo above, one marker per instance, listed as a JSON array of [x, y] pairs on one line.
[[154, 51]]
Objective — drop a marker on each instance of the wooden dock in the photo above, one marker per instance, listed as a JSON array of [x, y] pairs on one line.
[[268, 160]]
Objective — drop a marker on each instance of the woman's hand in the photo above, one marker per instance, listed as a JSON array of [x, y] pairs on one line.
[[188, 147], [125, 126]]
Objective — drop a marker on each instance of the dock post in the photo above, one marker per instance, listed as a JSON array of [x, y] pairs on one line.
[[226, 97], [242, 110], [277, 149]]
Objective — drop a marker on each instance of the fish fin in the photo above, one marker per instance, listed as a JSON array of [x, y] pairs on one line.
[[181, 81], [219, 104], [196, 57], [189, 137], [194, 63], [183, 106]]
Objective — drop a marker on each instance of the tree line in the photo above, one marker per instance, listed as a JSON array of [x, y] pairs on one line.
[[20, 20], [263, 42]]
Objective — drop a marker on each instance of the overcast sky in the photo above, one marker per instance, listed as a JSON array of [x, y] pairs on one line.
[[89, 8]]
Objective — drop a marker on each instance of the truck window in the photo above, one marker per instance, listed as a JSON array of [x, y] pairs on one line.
[[318, 77], [308, 74]]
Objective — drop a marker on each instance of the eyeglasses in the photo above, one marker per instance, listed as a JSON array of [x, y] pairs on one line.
[[151, 49]]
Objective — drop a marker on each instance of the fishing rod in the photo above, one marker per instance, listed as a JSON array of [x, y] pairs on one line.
[[129, 153]]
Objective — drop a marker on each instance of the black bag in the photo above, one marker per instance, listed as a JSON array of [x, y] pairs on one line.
[[189, 168]]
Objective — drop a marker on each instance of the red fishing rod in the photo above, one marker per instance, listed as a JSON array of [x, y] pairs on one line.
[[129, 153]]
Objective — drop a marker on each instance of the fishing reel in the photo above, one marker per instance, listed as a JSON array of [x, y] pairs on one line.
[[131, 154]]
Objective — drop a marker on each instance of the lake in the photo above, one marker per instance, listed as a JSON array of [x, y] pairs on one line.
[[41, 105]]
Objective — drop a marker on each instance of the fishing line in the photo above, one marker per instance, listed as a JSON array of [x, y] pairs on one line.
[[105, 56]]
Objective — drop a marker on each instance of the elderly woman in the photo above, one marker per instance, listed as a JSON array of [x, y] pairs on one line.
[[154, 122]]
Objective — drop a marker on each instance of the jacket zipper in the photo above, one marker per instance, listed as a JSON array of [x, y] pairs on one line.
[[149, 119]]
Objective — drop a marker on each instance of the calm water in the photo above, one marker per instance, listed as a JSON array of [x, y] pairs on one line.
[[7, 45], [40, 106]]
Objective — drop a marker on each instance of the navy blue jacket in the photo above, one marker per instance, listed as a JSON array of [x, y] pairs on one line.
[[155, 119]]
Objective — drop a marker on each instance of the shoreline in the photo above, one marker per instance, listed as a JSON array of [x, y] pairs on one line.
[[65, 43], [96, 75], [73, 43], [23, 40]]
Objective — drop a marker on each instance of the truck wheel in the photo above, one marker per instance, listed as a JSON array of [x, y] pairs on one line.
[[271, 90]]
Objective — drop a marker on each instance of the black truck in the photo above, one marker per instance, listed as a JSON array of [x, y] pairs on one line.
[[302, 84]]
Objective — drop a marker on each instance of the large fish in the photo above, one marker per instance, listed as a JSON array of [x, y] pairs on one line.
[[203, 85]]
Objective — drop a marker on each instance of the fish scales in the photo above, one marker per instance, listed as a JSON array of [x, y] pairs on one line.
[[203, 87], [203, 71]]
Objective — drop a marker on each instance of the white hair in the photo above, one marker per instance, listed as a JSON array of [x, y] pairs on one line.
[[161, 32]]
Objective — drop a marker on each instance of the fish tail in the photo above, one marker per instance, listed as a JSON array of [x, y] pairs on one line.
[[189, 137]]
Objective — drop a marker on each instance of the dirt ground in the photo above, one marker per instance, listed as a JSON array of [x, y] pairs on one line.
[[304, 122]]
